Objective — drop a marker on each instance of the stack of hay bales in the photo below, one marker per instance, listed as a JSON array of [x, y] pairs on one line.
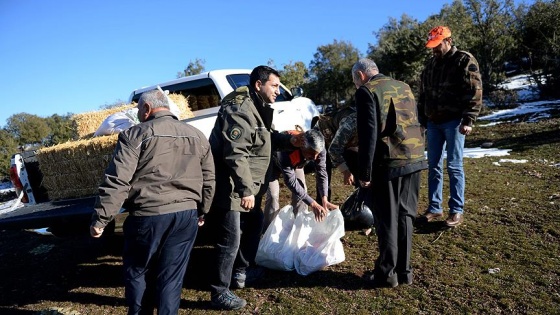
[[76, 168]]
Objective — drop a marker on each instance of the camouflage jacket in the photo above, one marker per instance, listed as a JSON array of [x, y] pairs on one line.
[[390, 137], [451, 88], [346, 137]]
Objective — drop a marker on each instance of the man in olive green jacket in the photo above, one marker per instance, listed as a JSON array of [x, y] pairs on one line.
[[242, 141]]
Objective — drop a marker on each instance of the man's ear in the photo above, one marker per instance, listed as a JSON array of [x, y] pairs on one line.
[[147, 110], [258, 85]]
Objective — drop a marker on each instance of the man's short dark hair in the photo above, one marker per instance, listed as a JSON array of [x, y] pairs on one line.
[[261, 73]]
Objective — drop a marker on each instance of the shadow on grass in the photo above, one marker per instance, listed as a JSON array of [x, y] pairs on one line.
[[421, 226]]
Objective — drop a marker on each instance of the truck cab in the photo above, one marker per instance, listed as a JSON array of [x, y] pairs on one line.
[[204, 92]]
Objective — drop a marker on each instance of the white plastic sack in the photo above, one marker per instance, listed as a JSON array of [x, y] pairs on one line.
[[318, 243], [275, 249], [118, 122], [302, 243]]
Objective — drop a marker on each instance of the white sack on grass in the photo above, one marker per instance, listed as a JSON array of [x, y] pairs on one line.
[[302, 243], [118, 122], [319, 242], [275, 250]]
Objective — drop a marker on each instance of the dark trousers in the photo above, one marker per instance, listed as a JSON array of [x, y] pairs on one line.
[[156, 253], [238, 240], [395, 205]]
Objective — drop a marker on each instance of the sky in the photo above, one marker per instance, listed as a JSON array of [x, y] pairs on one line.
[[68, 56]]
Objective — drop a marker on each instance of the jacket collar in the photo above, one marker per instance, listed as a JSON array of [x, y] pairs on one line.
[[162, 113]]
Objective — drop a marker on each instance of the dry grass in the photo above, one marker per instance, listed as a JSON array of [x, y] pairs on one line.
[[511, 223]]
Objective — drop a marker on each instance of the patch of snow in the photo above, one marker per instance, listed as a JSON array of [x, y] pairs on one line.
[[537, 109], [513, 161]]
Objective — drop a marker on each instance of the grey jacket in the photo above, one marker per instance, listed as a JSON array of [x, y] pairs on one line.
[[159, 166]]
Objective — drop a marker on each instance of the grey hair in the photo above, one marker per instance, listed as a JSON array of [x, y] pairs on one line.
[[367, 66], [155, 98], [314, 140]]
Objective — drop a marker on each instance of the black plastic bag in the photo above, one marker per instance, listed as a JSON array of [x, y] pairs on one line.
[[356, 210]]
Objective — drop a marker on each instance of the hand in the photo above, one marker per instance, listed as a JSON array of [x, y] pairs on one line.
[[465, 130], [200, 220], [329, 206], [298, 141], [348, 177], [248, 203], [365, 184], [319, 211], [95, 231]]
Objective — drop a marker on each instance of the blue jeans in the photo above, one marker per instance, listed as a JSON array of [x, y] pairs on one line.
[[156, 253], [439, 137]]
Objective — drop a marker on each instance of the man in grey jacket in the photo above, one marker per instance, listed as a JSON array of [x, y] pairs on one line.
[[162, 173]]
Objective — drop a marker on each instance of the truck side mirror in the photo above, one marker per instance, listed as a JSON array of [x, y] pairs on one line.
[[297, 91]]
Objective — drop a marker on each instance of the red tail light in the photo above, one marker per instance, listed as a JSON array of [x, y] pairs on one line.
[[14, 178]]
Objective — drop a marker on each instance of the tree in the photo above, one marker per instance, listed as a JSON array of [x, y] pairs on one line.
[[61, 129], [194, 67], [494, 26], [28, 129], [332, 71], [8, 146], [400, 51], [294, 74], [541, 39]]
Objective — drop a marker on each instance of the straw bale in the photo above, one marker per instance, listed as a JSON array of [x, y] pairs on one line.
[[183, 104], [202, 101], [85, 124], [192, 101], [76, 168]]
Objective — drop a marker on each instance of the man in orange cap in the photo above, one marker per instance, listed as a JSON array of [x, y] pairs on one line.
[[449, 103]]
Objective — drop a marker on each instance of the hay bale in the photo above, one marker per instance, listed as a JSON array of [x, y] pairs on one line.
[[85, 124], [183, 104], [76, 168]]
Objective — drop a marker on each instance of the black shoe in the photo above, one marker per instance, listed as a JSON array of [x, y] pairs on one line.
[[377, 283], [228, 301], [405, 279], [254, 274]]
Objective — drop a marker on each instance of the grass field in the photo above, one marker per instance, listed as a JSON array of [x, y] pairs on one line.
[[511, 223]]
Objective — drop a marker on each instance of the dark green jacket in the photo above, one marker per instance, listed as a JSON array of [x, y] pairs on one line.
[[451, 88], [242, 142]]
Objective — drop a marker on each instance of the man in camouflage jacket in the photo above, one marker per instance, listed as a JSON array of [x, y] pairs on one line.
[[449, 103], [391, 156]]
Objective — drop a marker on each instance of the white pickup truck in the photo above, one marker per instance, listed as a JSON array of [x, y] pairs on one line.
[[203, 91]]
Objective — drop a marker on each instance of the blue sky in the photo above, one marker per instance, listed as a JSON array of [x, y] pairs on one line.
[[62, 56]]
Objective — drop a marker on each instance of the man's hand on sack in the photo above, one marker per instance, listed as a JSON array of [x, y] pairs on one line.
[[319, 211]]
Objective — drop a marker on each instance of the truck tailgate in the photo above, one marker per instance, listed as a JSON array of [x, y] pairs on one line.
[[47, 214]]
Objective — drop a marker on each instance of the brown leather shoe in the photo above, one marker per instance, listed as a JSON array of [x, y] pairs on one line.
[[430, 216], [454, 220]]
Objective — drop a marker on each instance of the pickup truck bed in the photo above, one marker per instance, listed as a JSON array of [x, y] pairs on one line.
[[50, 214]]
